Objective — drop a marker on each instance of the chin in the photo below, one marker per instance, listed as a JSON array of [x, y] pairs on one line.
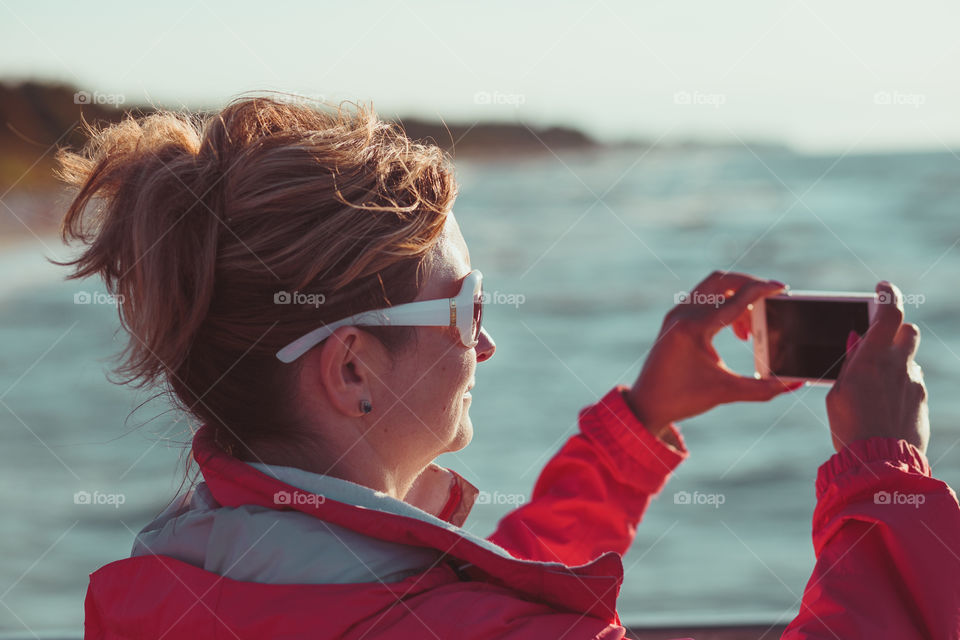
[[463, 435]]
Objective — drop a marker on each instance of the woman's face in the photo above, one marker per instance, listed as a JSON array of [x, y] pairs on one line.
[[429, 384]]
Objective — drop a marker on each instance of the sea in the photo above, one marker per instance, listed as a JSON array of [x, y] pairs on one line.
[[583, 253]]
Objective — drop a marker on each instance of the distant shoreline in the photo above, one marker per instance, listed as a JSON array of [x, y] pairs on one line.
[[38, 116]]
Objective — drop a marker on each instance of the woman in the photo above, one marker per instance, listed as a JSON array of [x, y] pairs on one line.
[[297, 279]]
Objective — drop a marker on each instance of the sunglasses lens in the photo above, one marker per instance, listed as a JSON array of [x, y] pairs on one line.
[[477, 315]]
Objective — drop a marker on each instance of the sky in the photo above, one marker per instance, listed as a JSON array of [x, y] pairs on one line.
[[818, 75]]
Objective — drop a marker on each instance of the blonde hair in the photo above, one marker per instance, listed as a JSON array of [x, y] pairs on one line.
[[196, 224]]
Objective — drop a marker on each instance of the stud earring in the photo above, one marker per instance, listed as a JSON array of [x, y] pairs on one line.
[[365, 406]]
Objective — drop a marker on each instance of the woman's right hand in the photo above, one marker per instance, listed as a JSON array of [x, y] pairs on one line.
[[879, 391]]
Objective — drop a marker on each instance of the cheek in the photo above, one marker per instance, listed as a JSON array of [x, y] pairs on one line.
[[432, 382], [449, 380], [445, 386], [447, 363]]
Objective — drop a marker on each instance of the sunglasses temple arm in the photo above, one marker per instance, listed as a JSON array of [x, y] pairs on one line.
[[304, 343]]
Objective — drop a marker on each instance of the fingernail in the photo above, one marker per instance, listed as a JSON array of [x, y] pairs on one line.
[[780, 284], [853, 338], [796, 385]]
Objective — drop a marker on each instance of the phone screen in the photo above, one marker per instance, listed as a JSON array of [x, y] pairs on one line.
[[808, 338]]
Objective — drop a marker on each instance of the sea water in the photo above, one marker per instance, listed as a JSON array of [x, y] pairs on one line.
[[582, 256]]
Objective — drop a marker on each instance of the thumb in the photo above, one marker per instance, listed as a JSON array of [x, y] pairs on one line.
[[745, 389]]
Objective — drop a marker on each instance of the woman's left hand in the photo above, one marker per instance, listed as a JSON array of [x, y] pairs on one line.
[[683, 375]]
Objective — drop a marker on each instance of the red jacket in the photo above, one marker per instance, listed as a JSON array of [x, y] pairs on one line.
[[553, 569]]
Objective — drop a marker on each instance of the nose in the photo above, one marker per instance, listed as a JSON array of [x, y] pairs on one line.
[[485, 346]]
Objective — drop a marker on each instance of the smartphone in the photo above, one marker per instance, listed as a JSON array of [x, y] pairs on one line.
[[802, 335]]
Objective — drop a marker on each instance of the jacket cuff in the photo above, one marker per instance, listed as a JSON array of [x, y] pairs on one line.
[[856, 458], [642, 459]]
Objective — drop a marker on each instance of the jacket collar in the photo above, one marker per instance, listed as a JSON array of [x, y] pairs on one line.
[[591, 588], [438, 493]]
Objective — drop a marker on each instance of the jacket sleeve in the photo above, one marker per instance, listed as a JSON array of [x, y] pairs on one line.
[[887, 542], [593, 492]]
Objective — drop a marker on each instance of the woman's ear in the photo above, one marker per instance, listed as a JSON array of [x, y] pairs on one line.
[[347, 369]]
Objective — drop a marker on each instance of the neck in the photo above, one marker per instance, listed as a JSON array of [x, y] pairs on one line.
[[354, 457]]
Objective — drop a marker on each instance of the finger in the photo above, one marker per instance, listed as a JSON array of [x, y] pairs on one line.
[[726, 282], [888, 319], [853, 341], [915, 371], [742, 388], [742, 326], [733, 307], [907, 340]]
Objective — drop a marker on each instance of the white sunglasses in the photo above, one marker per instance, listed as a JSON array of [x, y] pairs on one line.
[[464, 311]]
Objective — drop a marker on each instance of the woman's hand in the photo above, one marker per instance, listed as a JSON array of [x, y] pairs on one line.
[[683, 375], [879, 391]]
